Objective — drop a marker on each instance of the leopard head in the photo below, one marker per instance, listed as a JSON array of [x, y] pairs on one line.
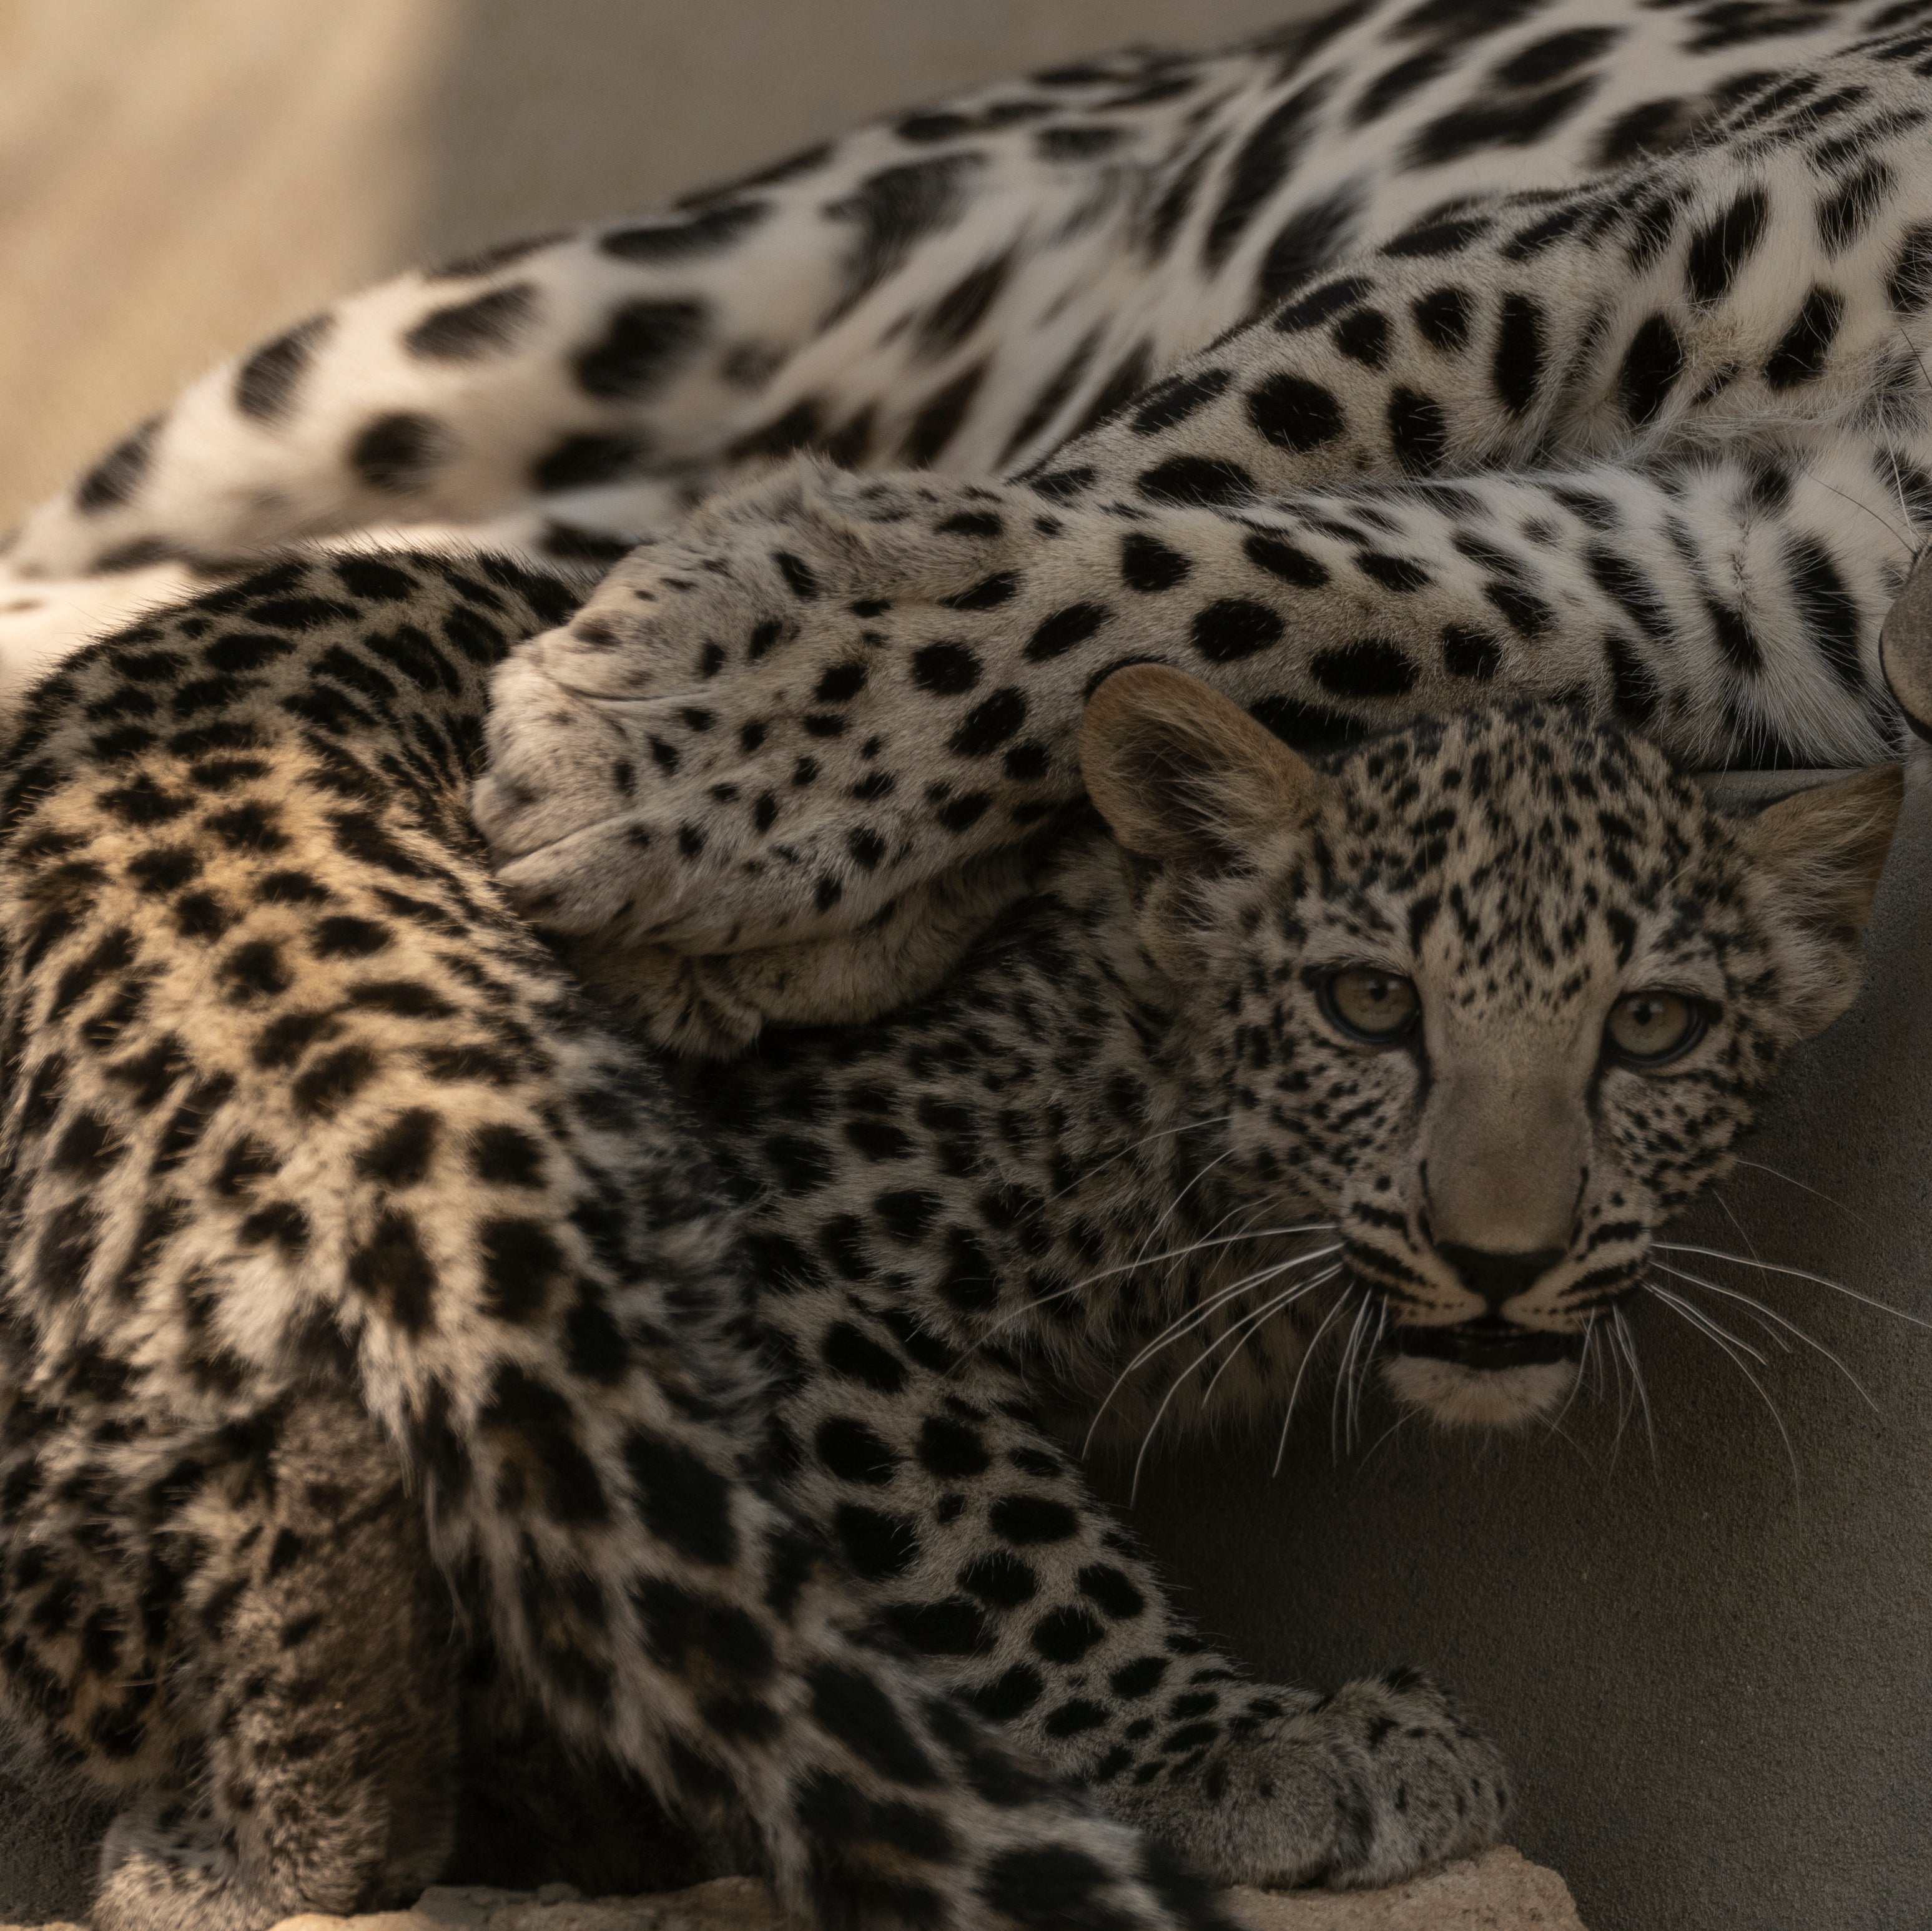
[[1498, 993]]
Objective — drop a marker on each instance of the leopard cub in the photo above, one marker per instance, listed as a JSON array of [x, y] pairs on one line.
[[1415, 1048], [376, 1321]]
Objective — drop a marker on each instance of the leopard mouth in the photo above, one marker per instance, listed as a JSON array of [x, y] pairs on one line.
[[1489, 1343]]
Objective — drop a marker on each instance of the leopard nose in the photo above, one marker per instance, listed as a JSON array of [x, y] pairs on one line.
[[1499, 1278]]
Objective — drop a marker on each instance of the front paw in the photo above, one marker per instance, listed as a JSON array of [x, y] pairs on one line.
[[703, 821], [1361, 1788], [769, 728]]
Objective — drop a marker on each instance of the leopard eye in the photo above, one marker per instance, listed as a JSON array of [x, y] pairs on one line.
[[1650, 1029], [1367, 1003]]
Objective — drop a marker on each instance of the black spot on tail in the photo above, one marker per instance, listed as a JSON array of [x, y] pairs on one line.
[[709, 233], [267, 384], [644, 345], [465, 331], [1263, 162], [399, 452], [114, 479], [894, 209]]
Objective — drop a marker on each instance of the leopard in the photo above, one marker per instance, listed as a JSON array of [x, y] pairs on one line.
[[1415, 352], [1415, 357], [1412, 1049], [401, 1363]]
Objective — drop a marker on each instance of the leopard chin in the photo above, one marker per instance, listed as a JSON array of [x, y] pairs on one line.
[[1456, 1394]]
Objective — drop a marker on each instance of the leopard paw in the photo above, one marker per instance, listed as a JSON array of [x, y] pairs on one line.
[[729, 746], [714, 1005], [1361, 1788]]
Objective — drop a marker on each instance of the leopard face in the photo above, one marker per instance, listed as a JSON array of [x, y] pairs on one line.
[[1498, 995]]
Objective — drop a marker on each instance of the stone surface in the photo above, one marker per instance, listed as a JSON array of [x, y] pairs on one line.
[[1501, 1891]]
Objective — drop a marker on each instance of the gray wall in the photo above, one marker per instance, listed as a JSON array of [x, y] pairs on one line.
[[1715, 1692]]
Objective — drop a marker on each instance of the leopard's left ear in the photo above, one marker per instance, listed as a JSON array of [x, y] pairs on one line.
[[1184, 777], [1825, 849]]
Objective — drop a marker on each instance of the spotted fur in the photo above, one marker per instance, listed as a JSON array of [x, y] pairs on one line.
[[372, 1319], [1417, 353], [371, 1322], [369, 1303], [1115, 1168]]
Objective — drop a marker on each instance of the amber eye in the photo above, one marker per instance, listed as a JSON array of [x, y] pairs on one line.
[[1367, 1003], [1650, 1029]]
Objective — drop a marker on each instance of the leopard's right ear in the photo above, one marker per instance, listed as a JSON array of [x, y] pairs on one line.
[[1184, 777], [1905, 646]]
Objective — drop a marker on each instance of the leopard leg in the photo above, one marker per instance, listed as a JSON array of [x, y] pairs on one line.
[[316, 1645], [976, 1542], [704, 758], [714, 1006]]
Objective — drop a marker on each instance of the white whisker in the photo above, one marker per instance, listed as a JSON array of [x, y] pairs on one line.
[[1183, 1324], [1151, 1260], [1388, 1433], [1191, 1317], [1758, 1166], [1294, 1393], [1582, 1368], [1768, 1313], [1342, 1374], [1692, 1312], [1777, 1340], [1364, 1367], [1629, 1344], [1735, 1349], [1613, 1359], [1796, 1273], [1173, 1207], [1193, 1367], [1135, 1146], [1253, 1321]]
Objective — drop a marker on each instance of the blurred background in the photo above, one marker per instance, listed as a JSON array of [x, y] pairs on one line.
[[1712, 1676]]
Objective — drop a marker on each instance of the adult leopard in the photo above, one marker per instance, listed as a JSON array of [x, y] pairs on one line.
[[1557, 349]]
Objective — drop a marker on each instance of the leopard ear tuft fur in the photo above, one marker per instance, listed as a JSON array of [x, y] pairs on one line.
[[1824, 850], [1184, 777]]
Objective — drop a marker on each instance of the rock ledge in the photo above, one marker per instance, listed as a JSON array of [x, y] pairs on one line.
[[1500, 1890]]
